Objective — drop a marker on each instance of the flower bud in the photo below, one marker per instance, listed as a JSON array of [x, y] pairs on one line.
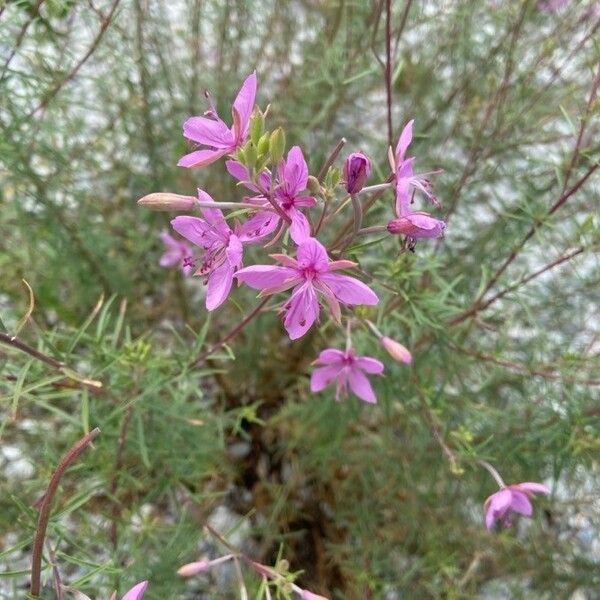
[[313, 186], [357, 169], [193, 568], [277, 145], [257, 127], [167, 201], [396, 350], [417, 225]]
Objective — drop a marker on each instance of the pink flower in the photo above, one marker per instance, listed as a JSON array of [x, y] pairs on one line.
[[310, 274], [211, 131], [347, 370], [417, 225], [178, 254], [512, 498], [291, 181], [357, 169], [136, 592], [306, 595], [222, 247]]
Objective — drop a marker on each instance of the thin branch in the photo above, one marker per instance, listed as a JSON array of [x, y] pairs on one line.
[[49, 96], [91, 385], [331, 159], [388, 69], [46, 504], [229, 336]]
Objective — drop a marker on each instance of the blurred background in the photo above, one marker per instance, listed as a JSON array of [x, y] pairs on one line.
[[501, 314]]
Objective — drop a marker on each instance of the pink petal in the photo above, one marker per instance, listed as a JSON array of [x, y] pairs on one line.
[[295, 172], [403, 178], [259, 226], [370, 365], [304, 201], [240, 172], [496, 506], [349, 290], [300, 227], [311, 253], [170, 259], [302, 310], [331, 356], [243, 105], [234, 251], [332, 301], [360, 385], [136, 592], [196, 230], [531, 487], [200, 158], [324, 376], [404, 141], [286, 261], [261, 277], [208, 132], [520, 503], [219, 286]]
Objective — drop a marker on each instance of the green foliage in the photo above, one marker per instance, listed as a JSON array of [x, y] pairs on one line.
[[362, 501]]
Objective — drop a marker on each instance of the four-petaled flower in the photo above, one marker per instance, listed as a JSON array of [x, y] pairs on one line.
[[290, 182], [177, 254], [412, 224], [512, 498], [309, 274], [346, 370], [211, 131], [222, 247]]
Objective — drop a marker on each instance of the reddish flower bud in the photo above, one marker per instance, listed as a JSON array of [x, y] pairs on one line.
[[357, 169], [417, 225]]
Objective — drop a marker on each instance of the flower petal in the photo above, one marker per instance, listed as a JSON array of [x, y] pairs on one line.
[[261, 277], [369, 365], [295, 172], [234, 251], [361, 386], [349, 290], [331, 356], [311, 253], [531, 487], [301, 311], [200, 158], [404, 141], [219, 286], [496, 506], [209, 132], [520, 503], [324, 376], [136, 592], [300, 227], [243, 105], [259, 226], [196, 230]]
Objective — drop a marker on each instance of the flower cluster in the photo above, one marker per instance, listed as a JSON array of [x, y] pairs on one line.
[[277, 211]]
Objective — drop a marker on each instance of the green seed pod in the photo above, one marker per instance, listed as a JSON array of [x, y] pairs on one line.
[[277, 145]]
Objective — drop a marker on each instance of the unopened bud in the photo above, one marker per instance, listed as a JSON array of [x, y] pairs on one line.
[[257, 127], [277, 145], [396, 350], [193, 568], [417, 225], [167, 201], [314, 187], [357, 169], [263, 144]]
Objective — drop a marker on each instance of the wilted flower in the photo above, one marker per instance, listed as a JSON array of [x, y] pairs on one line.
[[417, 225], [347, 370], [211, 131], [223, 248], [310, 274], [291, 181], [512, 498], [357, 169], [178, 254], [396, 350]]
